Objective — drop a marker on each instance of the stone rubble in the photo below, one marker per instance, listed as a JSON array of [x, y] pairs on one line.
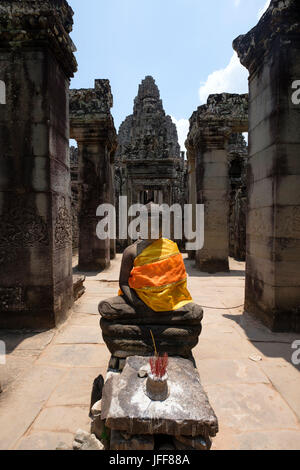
[[85, 441]]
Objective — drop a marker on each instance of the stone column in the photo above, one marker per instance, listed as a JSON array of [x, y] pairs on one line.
[[192, 193], [113, 241], [36, 63], [271, 53], [210, 128], [212, 190], [92, 126]]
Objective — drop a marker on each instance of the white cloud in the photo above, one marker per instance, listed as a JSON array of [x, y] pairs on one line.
[[263, 9], [237, 3], [183, 126], [231, 79]]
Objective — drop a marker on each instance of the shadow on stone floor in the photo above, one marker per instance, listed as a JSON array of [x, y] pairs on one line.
[[22, 348], [192, 270], [26, 339], [88, 273], [271, 345]]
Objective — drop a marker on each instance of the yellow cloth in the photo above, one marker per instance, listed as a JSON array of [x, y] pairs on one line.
[[159, 277]]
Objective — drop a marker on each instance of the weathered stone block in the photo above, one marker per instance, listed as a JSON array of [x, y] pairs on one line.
[[131, 442], [192, 443], [126, 407], [85, 441]]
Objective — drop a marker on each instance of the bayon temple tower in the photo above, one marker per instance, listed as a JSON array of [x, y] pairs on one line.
[[148, 163]]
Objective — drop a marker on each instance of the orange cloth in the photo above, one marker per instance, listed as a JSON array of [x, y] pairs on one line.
[[159, 277]]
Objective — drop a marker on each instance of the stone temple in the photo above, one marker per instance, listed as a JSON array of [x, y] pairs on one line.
[[148, 163], [55, 270]]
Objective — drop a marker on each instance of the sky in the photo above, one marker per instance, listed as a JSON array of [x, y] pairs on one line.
[[186, 45]]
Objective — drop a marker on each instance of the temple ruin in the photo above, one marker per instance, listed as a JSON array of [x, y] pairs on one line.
[[37, 62], [134, 382], [149, 164], [270, 52], [92, 126], [211, 128]]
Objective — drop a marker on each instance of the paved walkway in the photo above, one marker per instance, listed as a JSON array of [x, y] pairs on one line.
[[245, 369]]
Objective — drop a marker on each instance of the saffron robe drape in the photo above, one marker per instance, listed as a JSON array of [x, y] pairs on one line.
[[159, 277]]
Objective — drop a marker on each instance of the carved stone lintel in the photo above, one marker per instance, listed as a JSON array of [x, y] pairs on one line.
[[213, 123], [90, 116], [280, 22], [31, 22], [91, 101]]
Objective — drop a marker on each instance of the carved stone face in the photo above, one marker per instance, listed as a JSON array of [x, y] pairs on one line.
[[149, 105]]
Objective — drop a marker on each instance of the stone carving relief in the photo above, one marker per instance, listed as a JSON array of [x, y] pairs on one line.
[[21, 227], [91, 100], [11, 298], [63, 228]]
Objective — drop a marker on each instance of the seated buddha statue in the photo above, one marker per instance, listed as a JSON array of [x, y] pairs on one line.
[[153, 302]]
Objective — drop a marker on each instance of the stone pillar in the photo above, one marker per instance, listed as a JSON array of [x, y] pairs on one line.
[[92, 126], [113, 241], [237, 160], [210, 128], [36, 63], [192, 192], [271, 53], [212, 190]]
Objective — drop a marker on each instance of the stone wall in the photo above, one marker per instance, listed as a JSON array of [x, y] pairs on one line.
[[271, 53], [36, 56]]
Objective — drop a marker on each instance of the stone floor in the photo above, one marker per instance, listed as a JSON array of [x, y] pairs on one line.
[[246, 370]]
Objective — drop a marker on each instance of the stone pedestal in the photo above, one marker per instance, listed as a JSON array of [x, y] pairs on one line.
[[36, 62], [271, 53], [210, 128], [137, 423], [93, 128], [126, 331]]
